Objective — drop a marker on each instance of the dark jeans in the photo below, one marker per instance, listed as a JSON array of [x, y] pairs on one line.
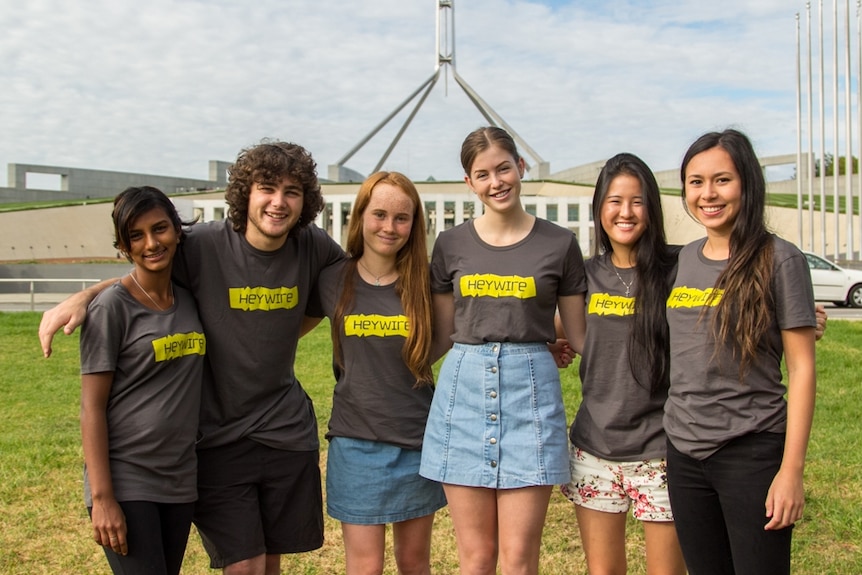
[[719, 508], [157, 536]]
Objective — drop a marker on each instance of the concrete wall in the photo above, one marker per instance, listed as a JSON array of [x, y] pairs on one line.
[[85, 232], [80, 183]]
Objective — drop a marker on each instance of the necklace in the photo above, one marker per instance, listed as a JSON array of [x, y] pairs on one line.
[[140, 287], [628, 286], [376, 277]]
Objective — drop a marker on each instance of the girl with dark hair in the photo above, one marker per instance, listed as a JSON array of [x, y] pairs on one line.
[[142, 351], [379, 304], [742, 299], [617, 452], [496, 433]]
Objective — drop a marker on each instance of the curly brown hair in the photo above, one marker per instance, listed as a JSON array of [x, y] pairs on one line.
[[269, 162]]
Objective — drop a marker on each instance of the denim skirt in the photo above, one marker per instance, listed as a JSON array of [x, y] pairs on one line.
[[497, 419], [373, 483]]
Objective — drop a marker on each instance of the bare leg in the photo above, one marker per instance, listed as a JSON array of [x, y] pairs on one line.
[[364, 548], [474, 516], [413, 545], [604, 538], [254, 566], [521, 519], [663, 554]]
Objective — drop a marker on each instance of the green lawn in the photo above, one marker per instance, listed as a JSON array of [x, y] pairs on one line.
[[45, 528]]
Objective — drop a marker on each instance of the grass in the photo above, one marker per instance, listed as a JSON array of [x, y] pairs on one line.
[[45, 529]]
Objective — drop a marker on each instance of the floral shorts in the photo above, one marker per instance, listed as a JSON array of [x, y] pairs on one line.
[[616, 486]]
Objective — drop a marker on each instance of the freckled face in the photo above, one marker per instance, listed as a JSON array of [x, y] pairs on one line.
[[387, 220]]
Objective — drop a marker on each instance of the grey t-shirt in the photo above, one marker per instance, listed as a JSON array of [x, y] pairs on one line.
[[507, 293], [157, 359], [708, 405], [618, 418], [374, 397], [252, 304]]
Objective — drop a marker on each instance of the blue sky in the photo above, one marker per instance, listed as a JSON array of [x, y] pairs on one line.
[[164, 87]]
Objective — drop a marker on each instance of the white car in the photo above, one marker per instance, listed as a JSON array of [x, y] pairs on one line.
[[836, 284]]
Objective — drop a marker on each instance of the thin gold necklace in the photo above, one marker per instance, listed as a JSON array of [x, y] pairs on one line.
[[140, 287], [376, 277]]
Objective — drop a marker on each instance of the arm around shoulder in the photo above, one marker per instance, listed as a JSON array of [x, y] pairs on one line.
[[68, 314]]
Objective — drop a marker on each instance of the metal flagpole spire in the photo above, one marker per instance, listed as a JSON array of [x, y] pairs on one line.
[[848, 135], [445, 57], [821, 73], [799, 206], [810, 160]]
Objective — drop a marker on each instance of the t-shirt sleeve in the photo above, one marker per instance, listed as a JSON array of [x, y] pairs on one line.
[[321, 302], [101, 335], [330, 255], [574, 279], [794, 296], [180, 272], [441, 279]]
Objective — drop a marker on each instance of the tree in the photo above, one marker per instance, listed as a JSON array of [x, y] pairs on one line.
[[829, 163]]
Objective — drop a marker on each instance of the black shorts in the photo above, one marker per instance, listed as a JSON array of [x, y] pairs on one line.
[[254, 499]]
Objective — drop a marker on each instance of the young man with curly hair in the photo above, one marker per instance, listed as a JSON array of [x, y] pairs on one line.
[[259, 492]]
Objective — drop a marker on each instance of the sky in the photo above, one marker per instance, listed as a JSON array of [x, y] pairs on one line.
[[163, 87]]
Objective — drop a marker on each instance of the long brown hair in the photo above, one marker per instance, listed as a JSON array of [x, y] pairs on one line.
[[649, 339], [413, 284], [746, 309]]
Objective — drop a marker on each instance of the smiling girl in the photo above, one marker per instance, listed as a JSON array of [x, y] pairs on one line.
[[618, 445], [742, 300], [142, 351], [496, 434], [379, 304]]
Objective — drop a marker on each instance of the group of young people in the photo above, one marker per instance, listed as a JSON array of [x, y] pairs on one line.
[[683, 414]]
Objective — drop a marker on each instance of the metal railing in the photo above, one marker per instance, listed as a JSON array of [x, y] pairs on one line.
[[30, 294]]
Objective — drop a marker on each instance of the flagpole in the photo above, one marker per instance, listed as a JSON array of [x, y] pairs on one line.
[[798, 134], [848, 134], [822, 135], [810, 159], [837, 155]]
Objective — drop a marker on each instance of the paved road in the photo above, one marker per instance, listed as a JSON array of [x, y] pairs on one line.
[[849, 313]]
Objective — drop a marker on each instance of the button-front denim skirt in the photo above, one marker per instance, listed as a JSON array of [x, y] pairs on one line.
[[497, 419]]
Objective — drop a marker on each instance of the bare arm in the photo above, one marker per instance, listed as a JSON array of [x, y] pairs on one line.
[[68, 314], [786, 499], [109, 523], [444, 324], [573, 320], [308, 324]]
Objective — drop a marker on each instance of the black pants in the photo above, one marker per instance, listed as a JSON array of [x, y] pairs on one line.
[[157, 537], [719, 508]]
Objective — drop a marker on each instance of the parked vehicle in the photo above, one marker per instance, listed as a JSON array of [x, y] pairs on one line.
[[833, 283]]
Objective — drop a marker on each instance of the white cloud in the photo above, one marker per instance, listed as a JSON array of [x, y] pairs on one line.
[[165, 86]]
